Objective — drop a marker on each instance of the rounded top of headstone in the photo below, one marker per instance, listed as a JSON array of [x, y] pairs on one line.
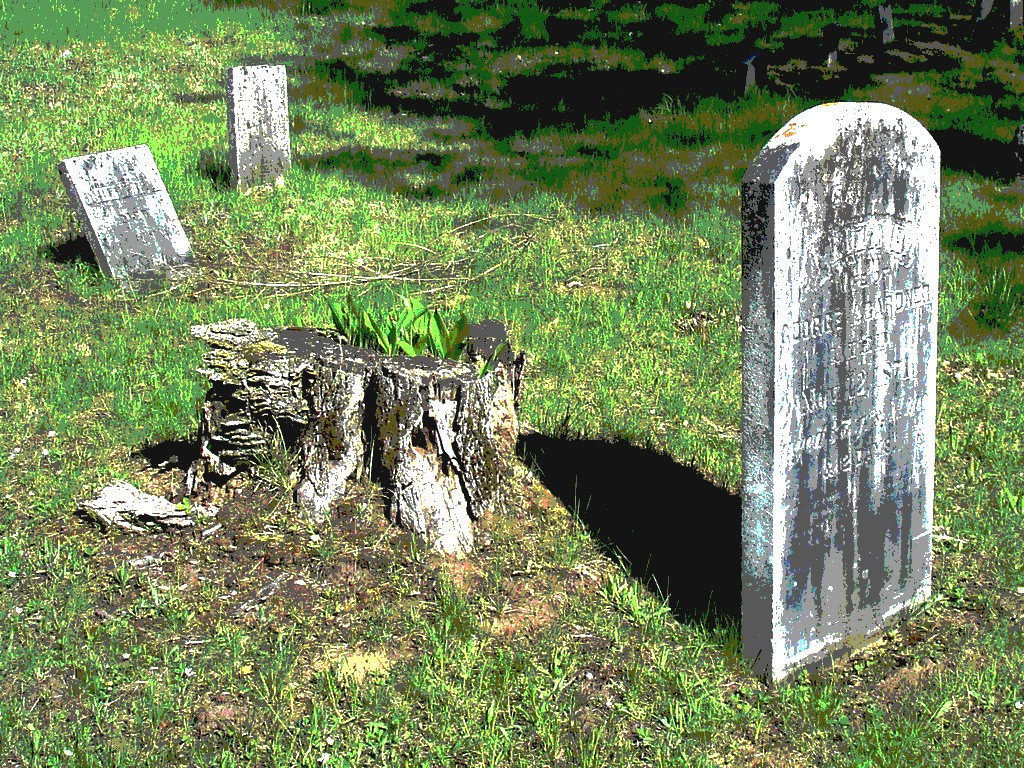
[[818, 131]]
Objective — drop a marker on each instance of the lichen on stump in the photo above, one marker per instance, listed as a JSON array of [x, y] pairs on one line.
[[297, 388], [441, 436], [445, 439]]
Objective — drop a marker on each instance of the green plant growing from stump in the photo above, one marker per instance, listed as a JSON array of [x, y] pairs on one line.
[[413, 330]]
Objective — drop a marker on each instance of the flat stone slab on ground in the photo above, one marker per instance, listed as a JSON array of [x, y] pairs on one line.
[[127, 215], [122, 505]]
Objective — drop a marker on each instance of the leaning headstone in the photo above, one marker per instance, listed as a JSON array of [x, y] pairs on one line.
[[984, 8], [886, 30], [840, 286], [259, 150], [750, 80], [127, 215]]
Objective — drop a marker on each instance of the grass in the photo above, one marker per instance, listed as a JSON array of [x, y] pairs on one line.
[[611, 250]]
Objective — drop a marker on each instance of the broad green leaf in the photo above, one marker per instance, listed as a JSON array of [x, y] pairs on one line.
[[352, 306], [461, 331], [340, 324], [373, 327], [438, 333]]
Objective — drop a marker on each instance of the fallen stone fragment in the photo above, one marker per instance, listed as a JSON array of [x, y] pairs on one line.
[[122, 505]]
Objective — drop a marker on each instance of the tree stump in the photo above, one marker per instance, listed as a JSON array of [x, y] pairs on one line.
[[444, 438], [441, 437]]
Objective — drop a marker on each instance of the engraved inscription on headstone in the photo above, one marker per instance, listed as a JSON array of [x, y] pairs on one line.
[[127, 215], [840, 293], [259, 149]]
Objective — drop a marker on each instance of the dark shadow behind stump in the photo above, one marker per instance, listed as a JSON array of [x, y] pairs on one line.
[[441, 437]]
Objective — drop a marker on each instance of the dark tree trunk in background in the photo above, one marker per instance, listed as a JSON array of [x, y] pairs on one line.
[[441, 437]]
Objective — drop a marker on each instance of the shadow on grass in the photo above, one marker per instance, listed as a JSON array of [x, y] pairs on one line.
[[169, 454], [679, 533], [997, 305], [566, 96], [967, 153], [528, 113], [994, 239], [214, 166], [519, 171], [73, 251], [198, 98]]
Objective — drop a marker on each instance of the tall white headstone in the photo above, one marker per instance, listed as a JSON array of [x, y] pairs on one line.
[[840, 294], [127, 215], [259, 148]]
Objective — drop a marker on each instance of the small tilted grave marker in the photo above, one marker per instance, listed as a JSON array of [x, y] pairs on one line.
[[259, 150], [750, 77], [127, 215], [840, 292]]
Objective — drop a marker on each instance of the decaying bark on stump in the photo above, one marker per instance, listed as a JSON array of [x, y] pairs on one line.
[[445, 439], [442, 437]]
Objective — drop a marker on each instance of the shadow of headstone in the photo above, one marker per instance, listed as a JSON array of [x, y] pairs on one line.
[[169, 454], [965, 152], [215, 167], [75, 250], [678, 533]]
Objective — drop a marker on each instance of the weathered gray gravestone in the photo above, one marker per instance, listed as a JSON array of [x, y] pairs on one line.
[[127, 215], [840, 284], [750, 80], [259, 148], [984, 8], [886, 30]]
